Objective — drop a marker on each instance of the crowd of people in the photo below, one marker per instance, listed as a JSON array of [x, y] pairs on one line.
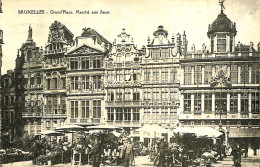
[[107, 148]]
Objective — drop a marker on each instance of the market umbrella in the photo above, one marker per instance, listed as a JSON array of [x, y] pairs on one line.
[[105, 127], [52, 133], [70, 128], [199, 131]]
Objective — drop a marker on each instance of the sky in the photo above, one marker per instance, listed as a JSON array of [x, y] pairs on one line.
[[140, 18]]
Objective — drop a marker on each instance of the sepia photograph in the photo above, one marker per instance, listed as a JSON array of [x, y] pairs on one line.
[[145, 83]]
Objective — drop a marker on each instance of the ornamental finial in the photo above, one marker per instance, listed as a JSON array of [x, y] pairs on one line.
[[221, 3]]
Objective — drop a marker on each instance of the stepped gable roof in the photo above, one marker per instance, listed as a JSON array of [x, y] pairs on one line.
[[222, 24]]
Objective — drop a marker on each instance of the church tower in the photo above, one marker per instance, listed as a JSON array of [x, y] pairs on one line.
[[222, 33]]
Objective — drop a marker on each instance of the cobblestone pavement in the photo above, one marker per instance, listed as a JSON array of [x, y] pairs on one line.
[[145, 162]]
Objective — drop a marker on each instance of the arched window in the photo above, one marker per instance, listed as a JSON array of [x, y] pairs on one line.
[[29, 55]]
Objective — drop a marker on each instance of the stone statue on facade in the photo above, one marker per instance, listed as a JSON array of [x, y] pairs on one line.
[[251, 49], [204, 47], [30, 33], [193, 48]]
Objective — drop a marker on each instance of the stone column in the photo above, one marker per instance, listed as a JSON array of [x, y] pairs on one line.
[[239, 104], [202, 103], [238, 75], [192, 75], [228, 103], [203, 74], [213, 103], [192, 104], [250, 104]]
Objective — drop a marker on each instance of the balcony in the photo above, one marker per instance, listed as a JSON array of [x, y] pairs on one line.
[[31, 115], [49, 52]]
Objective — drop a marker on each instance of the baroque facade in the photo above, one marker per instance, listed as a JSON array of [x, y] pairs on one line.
[[89, 81], [123, 83], [220, 86]]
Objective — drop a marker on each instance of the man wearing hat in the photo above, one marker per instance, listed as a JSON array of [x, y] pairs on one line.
[[128, 152], [96, 152]]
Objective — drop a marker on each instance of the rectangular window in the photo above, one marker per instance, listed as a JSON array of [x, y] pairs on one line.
[[32, 81], [221, 45], [255, 74], [165, 115], [187, 75], [97, 82], [63, 105], [63, 83], [198, 74], [119, 95], [155, 114], [156, 75], [85, 83], [74, 83], [244, 75], [207, 74], [127, 114], [244, 103], [74, 109], [110, 114], [208, 103], [197, 103], [255, 102], [96, 108], [39, 80], [187, 103], [74, 64], [136, 114], [85, 109], [55, 80], [147, 75], [136, 96], [85, 63], [156, 54], [234, 74], [221, 102], [164, 75], [55, 105], [110, 96], [119, 114], [233, 102], [173, 74], [97, 63], [147, 114], [48, 83], [49, 105]]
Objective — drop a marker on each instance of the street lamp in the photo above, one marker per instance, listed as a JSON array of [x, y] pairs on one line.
[[221, 80]]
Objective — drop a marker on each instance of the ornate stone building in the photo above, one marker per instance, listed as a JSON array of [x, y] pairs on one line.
[[123, 83], [85, 78], [160, 81], [60, 40], [220, 86], [31, 85]]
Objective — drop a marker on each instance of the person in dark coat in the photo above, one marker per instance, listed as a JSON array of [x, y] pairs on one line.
[[161, 148], [96, 153], [129, 153]]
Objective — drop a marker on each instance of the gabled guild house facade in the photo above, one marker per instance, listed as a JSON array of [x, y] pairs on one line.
[[85, 74], [123, 83], [86, 80]]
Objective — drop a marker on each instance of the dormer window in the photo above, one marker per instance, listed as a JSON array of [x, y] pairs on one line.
[[221, 43]]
